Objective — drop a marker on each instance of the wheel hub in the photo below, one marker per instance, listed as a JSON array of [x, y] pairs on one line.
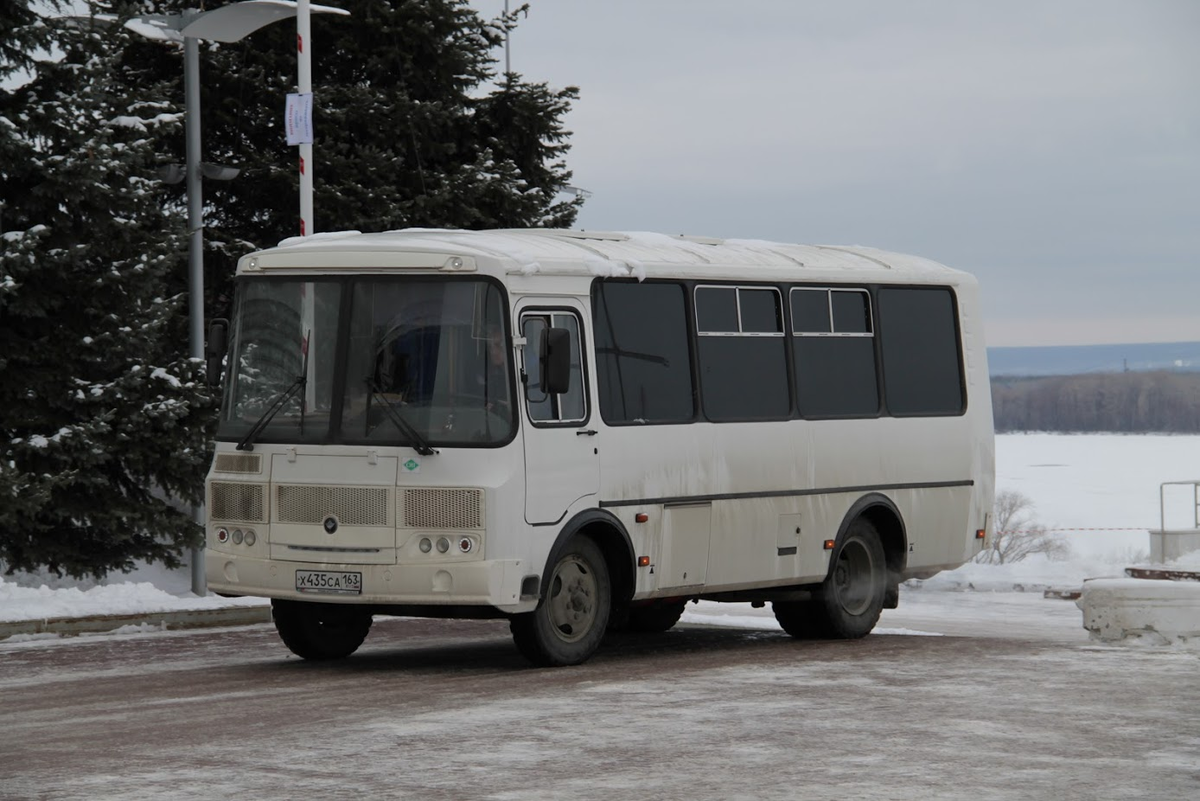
[[853, 578], [572, 610]]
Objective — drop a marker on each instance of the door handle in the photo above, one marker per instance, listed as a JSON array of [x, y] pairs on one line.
[[587, 432]]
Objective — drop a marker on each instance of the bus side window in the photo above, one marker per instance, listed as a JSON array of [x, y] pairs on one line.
[[922, 365], [833, 351]]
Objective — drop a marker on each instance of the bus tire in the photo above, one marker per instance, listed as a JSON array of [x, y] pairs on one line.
[[320, 631], [847, 604], [571, 618], [797, 618], [654, 618]]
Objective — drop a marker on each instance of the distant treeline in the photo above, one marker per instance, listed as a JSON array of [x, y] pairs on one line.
[[1134, 402]]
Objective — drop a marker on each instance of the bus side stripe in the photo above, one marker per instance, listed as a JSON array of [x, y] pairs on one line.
[[737, 496]]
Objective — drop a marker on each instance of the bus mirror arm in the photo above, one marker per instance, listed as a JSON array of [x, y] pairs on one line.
[[214, 351]]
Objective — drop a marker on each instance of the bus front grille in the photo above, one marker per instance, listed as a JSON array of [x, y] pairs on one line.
[[352, 506], [236, 502], [437, 507]]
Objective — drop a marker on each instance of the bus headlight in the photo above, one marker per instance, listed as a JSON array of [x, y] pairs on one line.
[[425, 545], [443, 545]]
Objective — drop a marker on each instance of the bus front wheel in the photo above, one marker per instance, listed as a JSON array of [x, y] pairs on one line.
[[847, 604], [570, 620], [654, 618], [320, 631]]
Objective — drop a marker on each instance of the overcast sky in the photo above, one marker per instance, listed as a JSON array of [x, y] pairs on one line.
[[1051, 148]]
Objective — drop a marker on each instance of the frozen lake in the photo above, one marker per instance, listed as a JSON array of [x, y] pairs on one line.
[[1095, 482]]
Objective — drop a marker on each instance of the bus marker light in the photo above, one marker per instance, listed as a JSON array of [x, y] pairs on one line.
[[222, 535], [425, 545], [465, 545], [643, 561], [829, 544], [980, 534], [641, 517]]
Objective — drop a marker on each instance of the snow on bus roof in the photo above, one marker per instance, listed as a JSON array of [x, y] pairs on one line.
[[618, 253]]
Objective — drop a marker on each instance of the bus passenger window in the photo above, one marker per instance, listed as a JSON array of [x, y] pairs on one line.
[[642, 356], [834, 352], [743, 367], [922, 370]]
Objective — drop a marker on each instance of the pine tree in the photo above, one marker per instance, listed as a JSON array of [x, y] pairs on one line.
[[103, 421]]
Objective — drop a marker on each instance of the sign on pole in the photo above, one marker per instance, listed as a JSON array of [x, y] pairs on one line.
[[298, 120]]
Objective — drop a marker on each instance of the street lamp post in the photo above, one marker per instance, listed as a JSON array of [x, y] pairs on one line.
[[304, 87], [227, 24], [195, 184]]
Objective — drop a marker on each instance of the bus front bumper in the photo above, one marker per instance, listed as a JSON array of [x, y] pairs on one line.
[[495, 583]]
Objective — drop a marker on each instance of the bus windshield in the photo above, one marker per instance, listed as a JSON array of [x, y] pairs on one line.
[[379, 360]]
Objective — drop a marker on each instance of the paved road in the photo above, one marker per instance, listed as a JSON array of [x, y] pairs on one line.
[[448, 710]]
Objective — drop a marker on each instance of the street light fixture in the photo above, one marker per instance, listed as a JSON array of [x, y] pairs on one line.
[[227, 24]]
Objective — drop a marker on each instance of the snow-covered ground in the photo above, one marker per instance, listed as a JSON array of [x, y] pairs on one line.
[[1083, 487]]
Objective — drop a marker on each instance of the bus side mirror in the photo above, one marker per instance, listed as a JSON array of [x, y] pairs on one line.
[[214, 350], [554, 357]]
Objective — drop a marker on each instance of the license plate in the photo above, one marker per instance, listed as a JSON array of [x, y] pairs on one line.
[[329, 582]]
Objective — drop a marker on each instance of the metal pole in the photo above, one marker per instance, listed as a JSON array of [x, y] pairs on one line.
[[191, 97], [507, 33], [304, 86], [191, 80]]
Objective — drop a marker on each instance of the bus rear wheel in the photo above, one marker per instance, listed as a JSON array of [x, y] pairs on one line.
[[847, 604], [320, 631], [570, 620]]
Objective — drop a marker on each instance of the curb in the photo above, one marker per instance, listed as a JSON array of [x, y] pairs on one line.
[[180, 619]]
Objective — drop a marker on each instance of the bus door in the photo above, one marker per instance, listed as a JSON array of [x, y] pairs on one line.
[[561, 461]]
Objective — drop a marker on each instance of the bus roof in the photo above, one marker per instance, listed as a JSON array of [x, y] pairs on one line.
[[601, 253]]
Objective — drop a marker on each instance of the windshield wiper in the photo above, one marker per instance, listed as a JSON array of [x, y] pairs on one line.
[[419, 443], [247, 443]]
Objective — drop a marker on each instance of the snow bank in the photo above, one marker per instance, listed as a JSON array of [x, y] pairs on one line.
[[1033, 574], [40, 603]]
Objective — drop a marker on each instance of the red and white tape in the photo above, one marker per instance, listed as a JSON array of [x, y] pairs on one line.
[[1088, 528]]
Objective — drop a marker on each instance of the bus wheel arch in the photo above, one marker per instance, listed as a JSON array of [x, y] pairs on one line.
[[588, 573], [864, 567], [889, 524], [611, 537]]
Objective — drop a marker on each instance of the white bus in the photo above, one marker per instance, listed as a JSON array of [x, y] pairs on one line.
[[579, 431]]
